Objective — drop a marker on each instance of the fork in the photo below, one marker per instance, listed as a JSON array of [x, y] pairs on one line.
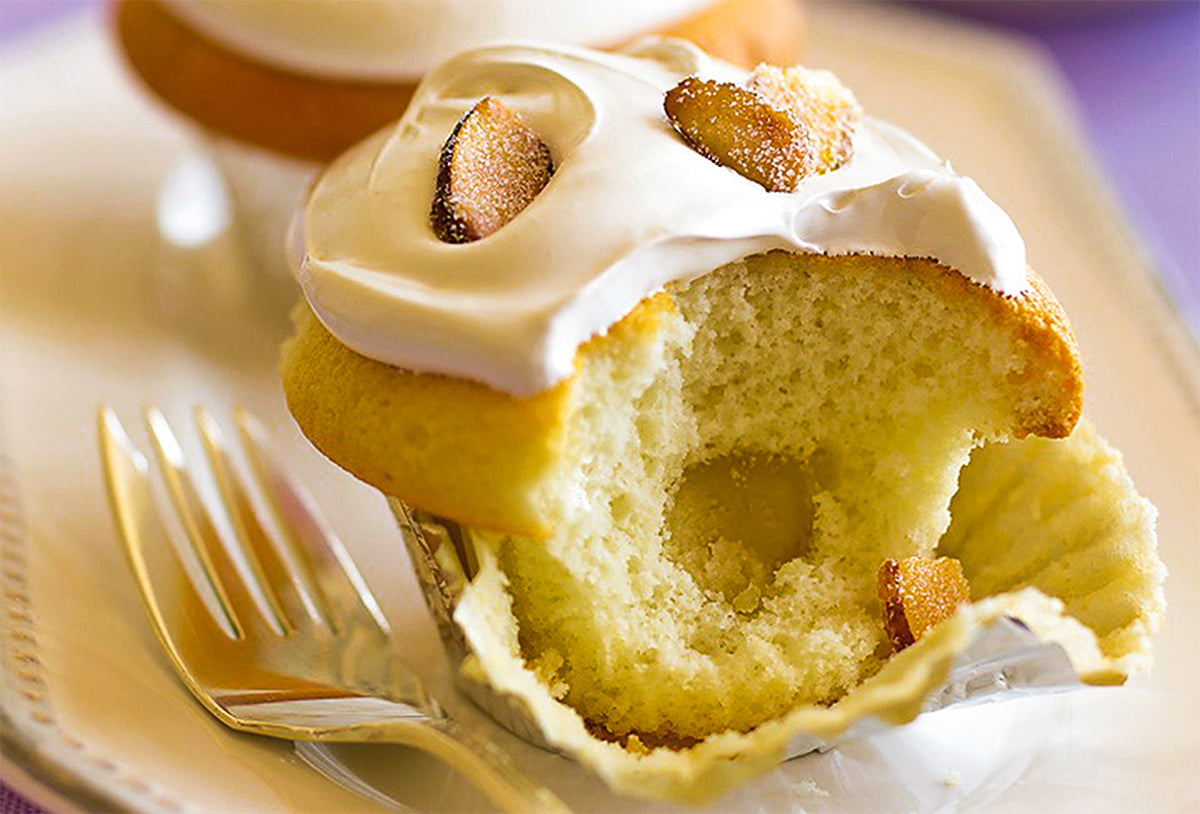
[[266, 619]]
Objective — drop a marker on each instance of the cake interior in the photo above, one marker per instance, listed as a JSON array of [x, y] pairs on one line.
[[732, 483]]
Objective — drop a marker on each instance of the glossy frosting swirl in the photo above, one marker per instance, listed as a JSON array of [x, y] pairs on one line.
[[398, 40], [630, 208]]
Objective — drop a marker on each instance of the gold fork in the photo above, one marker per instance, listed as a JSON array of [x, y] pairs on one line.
[[270, 624]]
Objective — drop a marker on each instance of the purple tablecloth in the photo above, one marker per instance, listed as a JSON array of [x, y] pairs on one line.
[[1135, 68], [13, 803]]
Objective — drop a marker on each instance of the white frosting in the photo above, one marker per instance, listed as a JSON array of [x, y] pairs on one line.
[[390, 40], [629, 208]]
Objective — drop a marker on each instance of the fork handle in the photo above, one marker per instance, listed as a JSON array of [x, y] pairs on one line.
[[483, 764]]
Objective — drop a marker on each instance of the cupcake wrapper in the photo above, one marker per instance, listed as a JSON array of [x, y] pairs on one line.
[[1060, 524], [440, 559], [1001, 660]]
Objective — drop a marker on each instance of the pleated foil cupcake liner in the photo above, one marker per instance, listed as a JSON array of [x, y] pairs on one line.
[[1052, 535], [1005, 659], [443, 563]]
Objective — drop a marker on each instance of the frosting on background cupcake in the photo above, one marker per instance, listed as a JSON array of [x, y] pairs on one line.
[[389, 40]]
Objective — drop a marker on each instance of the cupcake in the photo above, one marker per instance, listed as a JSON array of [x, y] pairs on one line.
[[279, 88], [719, 417]]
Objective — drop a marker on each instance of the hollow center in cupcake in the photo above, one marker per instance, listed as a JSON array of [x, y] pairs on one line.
[[733, 520]]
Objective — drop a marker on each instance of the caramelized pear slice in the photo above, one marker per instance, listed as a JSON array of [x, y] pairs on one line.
[[823, 103], [779, 129], [736, 128], [918, 592], [491, 167]]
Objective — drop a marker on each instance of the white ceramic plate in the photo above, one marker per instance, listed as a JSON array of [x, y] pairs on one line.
[[97, 310]]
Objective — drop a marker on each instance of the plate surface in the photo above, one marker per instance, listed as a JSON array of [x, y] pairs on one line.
[[97, 310]]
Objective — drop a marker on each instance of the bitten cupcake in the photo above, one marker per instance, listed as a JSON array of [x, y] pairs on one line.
[[280, 87], [717, 413]]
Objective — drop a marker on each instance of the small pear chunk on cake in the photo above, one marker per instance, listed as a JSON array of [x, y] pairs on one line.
[[917, 593], [491, 167]]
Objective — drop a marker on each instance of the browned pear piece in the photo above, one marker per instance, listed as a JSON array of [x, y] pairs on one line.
[[821, 102], [736, 128], [780, 128], [918, 592], [491, 167]]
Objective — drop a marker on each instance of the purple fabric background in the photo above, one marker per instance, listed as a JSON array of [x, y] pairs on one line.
[[13, 803], [1135, 69]]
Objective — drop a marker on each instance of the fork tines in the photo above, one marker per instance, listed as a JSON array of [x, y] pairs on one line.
[[267, 557]]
